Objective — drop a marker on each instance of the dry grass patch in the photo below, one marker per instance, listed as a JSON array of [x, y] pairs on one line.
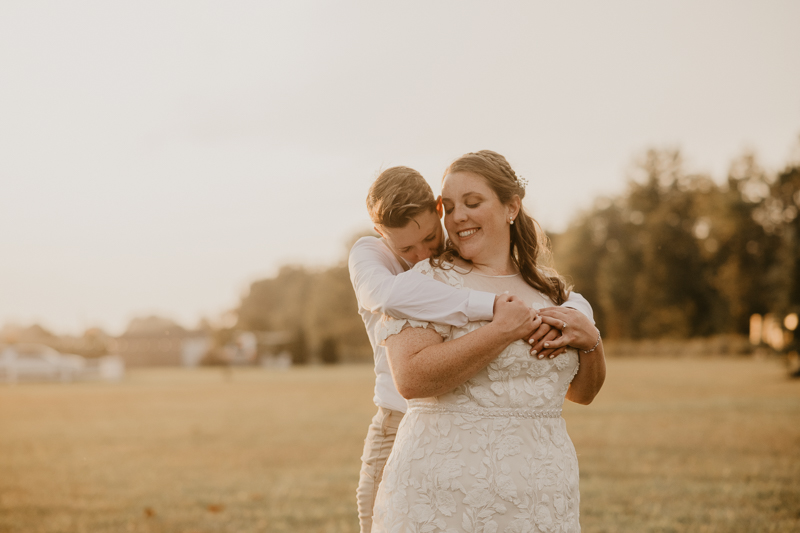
[[173, 450], [669, 445], [678, 445]]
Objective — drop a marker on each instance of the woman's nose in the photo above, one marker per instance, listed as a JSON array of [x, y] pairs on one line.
[[459, 214]]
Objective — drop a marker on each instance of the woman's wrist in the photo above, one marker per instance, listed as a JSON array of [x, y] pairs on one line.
[[498, 334], [594, 346]]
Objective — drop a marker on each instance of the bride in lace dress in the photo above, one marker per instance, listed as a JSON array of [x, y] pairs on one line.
[[493, 454]]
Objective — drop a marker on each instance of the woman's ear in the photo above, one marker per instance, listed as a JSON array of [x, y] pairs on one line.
[[379, 231], [439, 208], [514, 206]]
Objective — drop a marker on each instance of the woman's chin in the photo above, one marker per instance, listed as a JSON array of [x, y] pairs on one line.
[[467, 252]]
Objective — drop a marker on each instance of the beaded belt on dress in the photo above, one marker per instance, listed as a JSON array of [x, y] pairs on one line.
[[483, 412]]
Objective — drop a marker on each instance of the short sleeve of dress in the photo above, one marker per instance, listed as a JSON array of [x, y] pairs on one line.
[[389, 326], [392, 326]]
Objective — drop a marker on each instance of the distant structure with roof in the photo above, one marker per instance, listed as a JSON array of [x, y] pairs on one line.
[[156, 341]]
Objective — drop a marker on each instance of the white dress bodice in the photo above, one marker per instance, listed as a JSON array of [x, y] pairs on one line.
[[493, 455]]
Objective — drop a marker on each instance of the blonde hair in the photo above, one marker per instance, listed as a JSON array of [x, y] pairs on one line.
[[397, 196], [529, 243]]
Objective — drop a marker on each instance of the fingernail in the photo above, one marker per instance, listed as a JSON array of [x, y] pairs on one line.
[[540, 356], [547, 345], [534, 352], [530, 342]]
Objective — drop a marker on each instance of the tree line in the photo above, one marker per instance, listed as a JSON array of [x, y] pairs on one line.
[[679, 255], [319, 308], [676, 255]]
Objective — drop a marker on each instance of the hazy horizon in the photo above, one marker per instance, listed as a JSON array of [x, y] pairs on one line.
[[158, 158]]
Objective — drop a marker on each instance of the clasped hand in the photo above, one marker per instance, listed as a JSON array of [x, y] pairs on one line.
[[549, 330]]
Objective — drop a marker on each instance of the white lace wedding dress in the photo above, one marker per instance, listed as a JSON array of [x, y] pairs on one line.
[[493, 455]]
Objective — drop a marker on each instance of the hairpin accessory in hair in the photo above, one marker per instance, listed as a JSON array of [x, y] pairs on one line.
[[522, 182]]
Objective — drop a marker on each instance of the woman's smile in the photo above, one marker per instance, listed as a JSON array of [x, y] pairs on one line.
[[467, 233]]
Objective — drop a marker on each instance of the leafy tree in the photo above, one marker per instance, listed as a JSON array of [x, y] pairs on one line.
[[329, 351], [320, 303], [678, 255], [299, 348]]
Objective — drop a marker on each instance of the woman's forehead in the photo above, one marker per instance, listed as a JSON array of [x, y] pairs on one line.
[[460, 184]]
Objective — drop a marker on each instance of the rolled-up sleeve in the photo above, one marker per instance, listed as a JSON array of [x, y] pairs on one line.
[[579, 303]]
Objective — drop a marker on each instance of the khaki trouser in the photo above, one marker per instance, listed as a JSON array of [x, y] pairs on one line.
[[377, 447]]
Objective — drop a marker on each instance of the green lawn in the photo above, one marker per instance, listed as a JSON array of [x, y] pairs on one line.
[[669, 445]]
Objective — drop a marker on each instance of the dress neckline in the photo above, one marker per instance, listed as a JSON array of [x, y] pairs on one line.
[[498, 276], [463, 271]]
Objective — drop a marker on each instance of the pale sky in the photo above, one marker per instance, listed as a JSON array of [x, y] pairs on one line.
[[157, 157]]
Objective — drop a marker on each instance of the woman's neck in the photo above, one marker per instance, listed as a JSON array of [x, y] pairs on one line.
[[501, 266]]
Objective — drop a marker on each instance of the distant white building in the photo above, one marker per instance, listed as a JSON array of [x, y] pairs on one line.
[[194, 348], [168, 345], [37, 362]]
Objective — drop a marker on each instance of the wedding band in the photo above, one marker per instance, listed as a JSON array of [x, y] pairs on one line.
[[564, 326]]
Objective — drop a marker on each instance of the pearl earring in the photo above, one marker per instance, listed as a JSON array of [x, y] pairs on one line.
[[512, 221]]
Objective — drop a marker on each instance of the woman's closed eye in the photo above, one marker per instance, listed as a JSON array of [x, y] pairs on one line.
[[448, 210]]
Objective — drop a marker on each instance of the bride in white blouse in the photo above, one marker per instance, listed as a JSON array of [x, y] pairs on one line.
[[492, 455]]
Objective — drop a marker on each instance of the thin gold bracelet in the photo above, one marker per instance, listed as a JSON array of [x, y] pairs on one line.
[[595, 345]]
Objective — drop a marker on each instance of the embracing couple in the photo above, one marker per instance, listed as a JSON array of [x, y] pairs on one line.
[[477, 343]]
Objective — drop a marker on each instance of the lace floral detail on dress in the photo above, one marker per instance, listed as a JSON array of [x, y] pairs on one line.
[[447, 275], [491, 456]]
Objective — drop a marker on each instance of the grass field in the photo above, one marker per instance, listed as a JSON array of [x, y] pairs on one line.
[[669, 445]]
